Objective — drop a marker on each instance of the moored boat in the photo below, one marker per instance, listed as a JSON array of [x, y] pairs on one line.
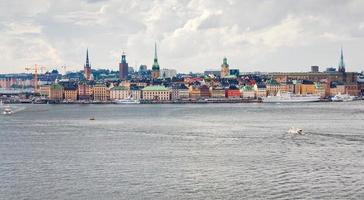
[[342, 98], [290, 98]]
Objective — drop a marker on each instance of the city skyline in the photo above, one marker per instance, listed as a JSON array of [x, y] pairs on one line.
[[191, 35]]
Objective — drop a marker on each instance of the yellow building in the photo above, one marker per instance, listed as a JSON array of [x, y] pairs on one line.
[[156, 92], [218, 92], [70, 95], [101, 92], [307, 88]]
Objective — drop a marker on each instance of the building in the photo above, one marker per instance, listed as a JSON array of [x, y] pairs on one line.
[[119, 92], [307, 87], [179, 92], [314, 69], [44, 90], [156, 92], [87, 68], [168, 73], [225, 69], [199, 91], [135, 92], [155, 67], [217, 92], [55, 92], [85, 91], [123, 68], [247, 92], [260, 90], [70, 91], [272, 87], [101, 92], [232, 92]]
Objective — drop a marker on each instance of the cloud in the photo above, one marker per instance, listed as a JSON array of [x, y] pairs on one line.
[[192, 35]]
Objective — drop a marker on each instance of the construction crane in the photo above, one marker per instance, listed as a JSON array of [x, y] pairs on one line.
[[35, 69]]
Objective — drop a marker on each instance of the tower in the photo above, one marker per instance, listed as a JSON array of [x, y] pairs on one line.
[[123, 68], [341, 63], [225, 71], [87, 68], [155, 67]]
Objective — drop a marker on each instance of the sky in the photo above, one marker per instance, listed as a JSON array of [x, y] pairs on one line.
[[192, 35]]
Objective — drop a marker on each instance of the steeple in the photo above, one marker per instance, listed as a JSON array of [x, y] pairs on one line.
[[341, 63], [123, 57], [155, 66], [87, 60]]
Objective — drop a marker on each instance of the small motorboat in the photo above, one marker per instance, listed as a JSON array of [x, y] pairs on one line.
[[295, 131], [92, 118], [7, 111]]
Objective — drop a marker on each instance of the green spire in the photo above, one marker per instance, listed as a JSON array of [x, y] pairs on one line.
[[155, 66], [225, 61]]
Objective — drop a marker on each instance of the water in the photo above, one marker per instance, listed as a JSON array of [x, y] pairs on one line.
[[216, 151]]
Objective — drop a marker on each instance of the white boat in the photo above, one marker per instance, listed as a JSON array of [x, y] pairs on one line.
[[342, 98], [127, 101], [295, 131], [7, 111], [290, 98]]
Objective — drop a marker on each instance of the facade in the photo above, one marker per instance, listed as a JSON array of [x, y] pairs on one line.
[[197, 92], [85, 91], [135, 92], [217, 92], [307, 87], [232, 92], [156, 92], [87, 68], [155, 67], [247, 92], [225, 71], [101, 92], [119, 92], [70, 91], [44, 90], [123, 68], [56, 92], [180, 92], [260, 90]]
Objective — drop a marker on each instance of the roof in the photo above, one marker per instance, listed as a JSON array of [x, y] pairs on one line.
[[247, 88], [272, 82], [119, 88], [155, 88], [56, 86]]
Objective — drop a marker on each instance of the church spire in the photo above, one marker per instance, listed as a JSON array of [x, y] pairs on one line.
[[87, 60], [155, 52], [341, 63]]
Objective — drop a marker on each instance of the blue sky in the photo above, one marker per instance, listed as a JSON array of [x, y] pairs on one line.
[[192, 35]]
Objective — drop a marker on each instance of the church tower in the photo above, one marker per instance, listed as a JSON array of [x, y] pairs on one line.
[[123, 68], [341, 63], [87, 68], [225, 71], [155, 67]]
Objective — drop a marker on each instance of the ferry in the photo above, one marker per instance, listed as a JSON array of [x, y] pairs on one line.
[[290, 98], [127, 101], [342, 98]]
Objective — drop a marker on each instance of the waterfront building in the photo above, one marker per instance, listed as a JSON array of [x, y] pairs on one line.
[[217, 92], [352, 89], [307, 87], [337, 88], [247, 92], [179, 92], [70, 91], [199, 91], [119, 92], [232, 92], [85, 91], [156, 92], [87, 68], [273, 87], [225, 68], [320, 90], [123, 68], [135, 92], [101, 92], [155, 67], [55, 92], [260, 90], [44, 90]]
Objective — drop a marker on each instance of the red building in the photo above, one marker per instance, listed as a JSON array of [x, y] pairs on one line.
[[232, 92]]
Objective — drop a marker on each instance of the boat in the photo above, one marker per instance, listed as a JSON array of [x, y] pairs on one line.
[[129, 100], [295, 131], [92, 118], [290, 98], [342, 98], [7, 111]]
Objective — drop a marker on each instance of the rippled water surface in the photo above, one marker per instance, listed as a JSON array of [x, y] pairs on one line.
[[227, 151]]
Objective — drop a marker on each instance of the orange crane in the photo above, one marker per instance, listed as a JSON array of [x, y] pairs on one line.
[[35, 69]]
